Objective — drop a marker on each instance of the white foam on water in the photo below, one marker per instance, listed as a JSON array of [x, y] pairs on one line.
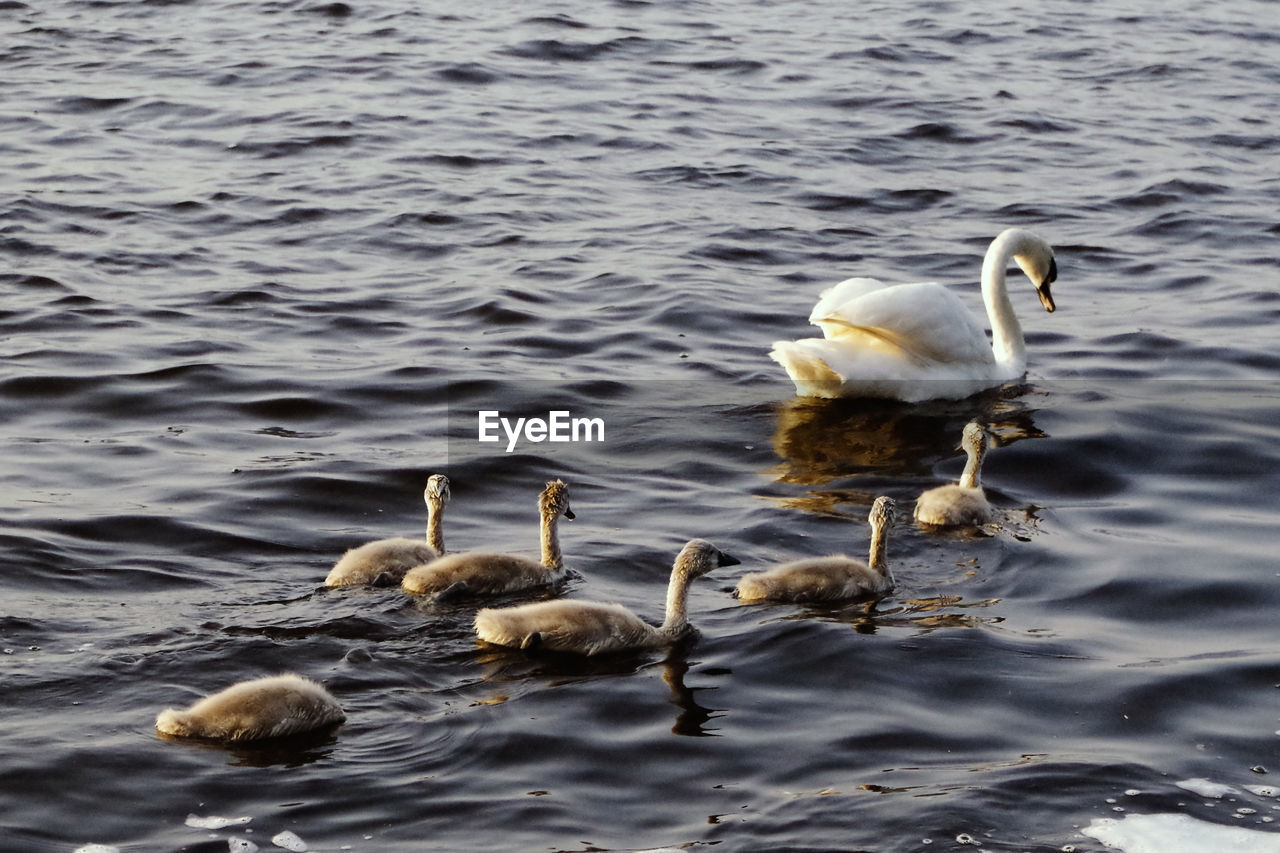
[[241, 845], [97, 848], [289, 841], [197, 822], [1207, 788], [1178, 833]]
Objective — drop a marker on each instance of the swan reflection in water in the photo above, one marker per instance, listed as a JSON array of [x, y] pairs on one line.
[[921, 615], [819, 441], [511, 666]]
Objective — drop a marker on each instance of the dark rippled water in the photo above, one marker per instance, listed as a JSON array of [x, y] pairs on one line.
[[263, 263]]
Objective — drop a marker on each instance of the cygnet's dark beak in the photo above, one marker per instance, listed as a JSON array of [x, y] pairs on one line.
[[1046, 297], [568, 513], [728, 560]]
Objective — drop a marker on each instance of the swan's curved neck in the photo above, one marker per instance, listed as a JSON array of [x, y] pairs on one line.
[[971, 477], [1007, 343], [677, 617], [551, 556], [878, 559], [435, 525]]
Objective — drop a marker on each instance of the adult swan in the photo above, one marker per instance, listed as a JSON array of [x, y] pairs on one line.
[[915, 342]]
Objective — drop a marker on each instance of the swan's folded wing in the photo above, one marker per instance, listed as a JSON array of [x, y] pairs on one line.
[[833, 298], [924, 322]]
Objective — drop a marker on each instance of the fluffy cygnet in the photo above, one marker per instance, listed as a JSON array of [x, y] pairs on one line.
[[834, 578], [384, 562], [591, 628], [964, 503], [270, 707], [485, 573]]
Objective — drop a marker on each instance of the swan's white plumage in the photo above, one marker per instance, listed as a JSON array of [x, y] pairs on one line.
[[387, 560], [924, 322], [916, 342], [270, 707], [486, 573], [834, 578], [592, 628], [964, 503]]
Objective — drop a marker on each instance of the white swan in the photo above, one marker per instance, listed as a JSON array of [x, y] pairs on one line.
[[263, 708], [963, 503], [916, 342], [835, 578], [483, 573], [384, 561], [591, 628]]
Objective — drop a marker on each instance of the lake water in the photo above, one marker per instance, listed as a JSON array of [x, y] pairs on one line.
[[264, 263]]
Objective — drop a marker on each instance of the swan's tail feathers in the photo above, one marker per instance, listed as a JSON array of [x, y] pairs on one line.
[[812, 376]]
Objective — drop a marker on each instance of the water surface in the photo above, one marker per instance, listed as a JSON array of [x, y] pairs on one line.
[[264, 263]]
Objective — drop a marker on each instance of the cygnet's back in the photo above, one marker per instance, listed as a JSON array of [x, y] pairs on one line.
[[493, 573], [962, 504], [270, 707], [577, 627], [833, 578], [385, 562]]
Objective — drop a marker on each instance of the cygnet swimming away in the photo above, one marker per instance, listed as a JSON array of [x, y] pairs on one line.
[[270, 707], [964, 503], [486, 573], [593, 628], [834, 578], [384, 562]]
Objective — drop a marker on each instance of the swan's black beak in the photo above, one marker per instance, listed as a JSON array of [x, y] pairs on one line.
[[1046, 298], [728, 560], [568, 513]]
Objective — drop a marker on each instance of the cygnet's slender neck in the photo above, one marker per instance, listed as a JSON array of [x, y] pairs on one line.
[[435, 523], [971, 477], [551, 556], [1007, 343], [878, 559], [677, 617]]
